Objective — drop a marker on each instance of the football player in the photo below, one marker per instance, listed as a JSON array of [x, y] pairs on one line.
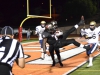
[[39, 30], [92, 36]]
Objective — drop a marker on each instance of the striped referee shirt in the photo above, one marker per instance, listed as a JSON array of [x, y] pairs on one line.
[[10, 50]]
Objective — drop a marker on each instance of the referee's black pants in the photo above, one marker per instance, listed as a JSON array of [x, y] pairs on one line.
[[4, 69]]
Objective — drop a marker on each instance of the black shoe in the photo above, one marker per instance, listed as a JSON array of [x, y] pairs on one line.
[[87, 47], [61, 64], [53, 64]]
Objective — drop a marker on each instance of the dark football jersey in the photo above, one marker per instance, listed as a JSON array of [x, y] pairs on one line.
[[50, 37]]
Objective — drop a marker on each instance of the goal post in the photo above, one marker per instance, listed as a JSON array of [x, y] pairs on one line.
[[33, 16]]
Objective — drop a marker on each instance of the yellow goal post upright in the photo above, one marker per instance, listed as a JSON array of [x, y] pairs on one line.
[[32, 16]]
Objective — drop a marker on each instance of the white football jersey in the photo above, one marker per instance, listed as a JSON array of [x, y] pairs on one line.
[[94, 34], [39, 31]]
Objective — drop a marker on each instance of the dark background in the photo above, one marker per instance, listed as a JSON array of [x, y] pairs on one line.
[[13, 12]]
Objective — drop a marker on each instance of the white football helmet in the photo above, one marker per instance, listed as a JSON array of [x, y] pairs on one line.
[[92, 25], [43, 23]]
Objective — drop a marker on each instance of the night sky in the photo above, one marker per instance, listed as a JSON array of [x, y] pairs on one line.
[[14, 10], [13, 7]]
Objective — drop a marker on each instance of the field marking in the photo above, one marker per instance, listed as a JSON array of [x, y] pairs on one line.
[[70, 71], [64, 55], [87, 70], [32, 50]]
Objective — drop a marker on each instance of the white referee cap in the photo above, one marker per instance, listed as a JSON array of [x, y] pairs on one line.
[[7, 30]]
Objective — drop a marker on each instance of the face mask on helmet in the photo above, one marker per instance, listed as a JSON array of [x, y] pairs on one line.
[[59, 33], [55, 26], [43, 25], [92, 27]]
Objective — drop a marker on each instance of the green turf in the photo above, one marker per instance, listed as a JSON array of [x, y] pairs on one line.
[[94, 70]]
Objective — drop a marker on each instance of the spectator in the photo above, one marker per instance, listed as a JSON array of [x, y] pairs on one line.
[[28, 34]]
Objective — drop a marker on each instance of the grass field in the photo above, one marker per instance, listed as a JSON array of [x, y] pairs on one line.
[[94, 70]]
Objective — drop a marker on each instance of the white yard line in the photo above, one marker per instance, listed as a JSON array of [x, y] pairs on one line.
[[30, 42], [64, 55], [32, 50]]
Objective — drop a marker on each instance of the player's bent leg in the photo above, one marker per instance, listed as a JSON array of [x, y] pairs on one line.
[[72, 41], [90, 53]]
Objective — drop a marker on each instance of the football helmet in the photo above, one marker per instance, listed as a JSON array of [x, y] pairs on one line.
[[43, 23], [92, 25], [54, 23], [49, 26]]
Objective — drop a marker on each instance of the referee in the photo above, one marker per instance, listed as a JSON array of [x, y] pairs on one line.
[[10, 50]]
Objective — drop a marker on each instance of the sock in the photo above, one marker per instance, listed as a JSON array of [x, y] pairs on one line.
[[90, 60], [45, 55], [47, 48], [42, 54], [81, 45]]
